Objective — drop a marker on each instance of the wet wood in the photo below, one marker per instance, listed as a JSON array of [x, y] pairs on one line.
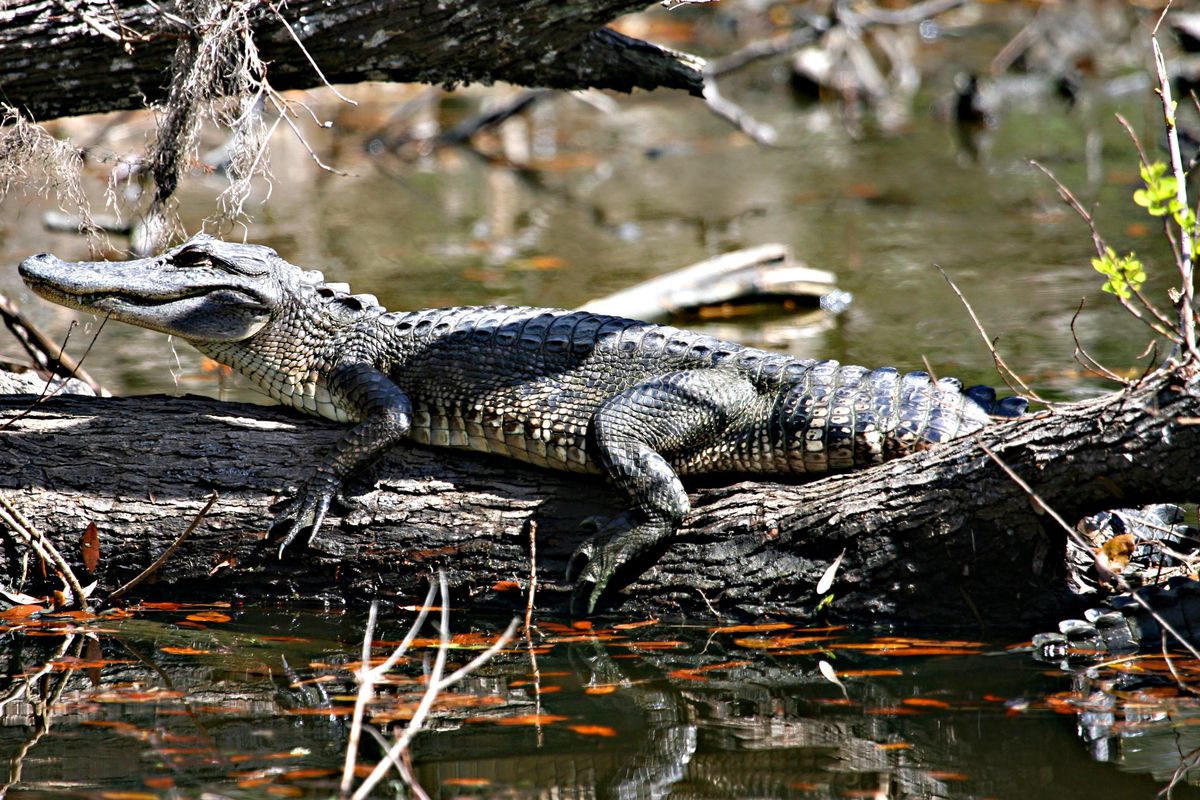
[[108, 56], [767, 272], [944, 536]]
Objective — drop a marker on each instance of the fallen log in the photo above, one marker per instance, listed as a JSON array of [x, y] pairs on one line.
[[109, 56], [944, 536]]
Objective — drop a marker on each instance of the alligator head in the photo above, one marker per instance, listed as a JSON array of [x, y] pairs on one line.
[[204, 290]]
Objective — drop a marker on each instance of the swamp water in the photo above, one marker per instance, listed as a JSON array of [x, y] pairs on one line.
[[174, 701]]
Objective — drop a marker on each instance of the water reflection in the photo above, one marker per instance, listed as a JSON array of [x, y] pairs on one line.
[[256, 704]]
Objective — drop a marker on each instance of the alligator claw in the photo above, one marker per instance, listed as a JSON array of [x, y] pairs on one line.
[[305, 511], [595, 562]]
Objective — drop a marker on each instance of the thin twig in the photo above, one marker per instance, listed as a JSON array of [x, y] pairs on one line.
[[532, 576], [1082, 542], [368, 676], [403, 741], [40, 347], [760, 132], [1187, 320], [422, 710], [281, 107], [162, 559], [1092, 365], [12, 516], [1101, 248], [309, 57], [1006, 372]]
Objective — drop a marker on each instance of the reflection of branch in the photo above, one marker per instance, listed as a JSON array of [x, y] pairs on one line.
[[42, 718], [904, 16]]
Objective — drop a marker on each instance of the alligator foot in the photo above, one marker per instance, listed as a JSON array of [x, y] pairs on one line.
[[620, 542], [305, 512]]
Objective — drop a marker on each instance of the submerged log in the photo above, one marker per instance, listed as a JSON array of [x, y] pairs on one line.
[[109, 56], [942, 536]]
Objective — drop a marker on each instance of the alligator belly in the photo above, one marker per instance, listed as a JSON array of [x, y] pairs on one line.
[[545, 441]]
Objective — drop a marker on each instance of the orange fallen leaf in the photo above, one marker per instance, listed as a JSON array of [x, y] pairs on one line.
[[628, 626], [208, 616], [530, 719], [945, 775], [335, 711], [593, 730], [305, 772], [765, 626], [924, 702], [505, 586]]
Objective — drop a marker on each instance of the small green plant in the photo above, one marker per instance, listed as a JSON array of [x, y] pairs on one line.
[[1161, 197], [1125, 273]]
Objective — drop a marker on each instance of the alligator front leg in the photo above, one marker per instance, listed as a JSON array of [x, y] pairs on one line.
[[386, 414], [635, 432]]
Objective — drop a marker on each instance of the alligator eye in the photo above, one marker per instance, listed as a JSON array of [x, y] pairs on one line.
[[191, 257]]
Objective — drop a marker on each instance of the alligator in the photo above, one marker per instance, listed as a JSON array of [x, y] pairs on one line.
[[638, 402]]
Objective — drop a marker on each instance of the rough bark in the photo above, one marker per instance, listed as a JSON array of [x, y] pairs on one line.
[[61, 59], [943, 536]]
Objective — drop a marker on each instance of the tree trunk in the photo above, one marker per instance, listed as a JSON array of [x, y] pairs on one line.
[[63, 59], [942, 536]]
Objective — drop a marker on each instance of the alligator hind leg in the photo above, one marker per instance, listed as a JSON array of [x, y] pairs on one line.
[[635, 433]]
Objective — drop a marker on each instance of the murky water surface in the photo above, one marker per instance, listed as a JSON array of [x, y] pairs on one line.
[[258, 704], [247, 703]]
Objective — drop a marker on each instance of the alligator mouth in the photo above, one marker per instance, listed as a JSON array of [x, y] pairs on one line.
[[103, 299]]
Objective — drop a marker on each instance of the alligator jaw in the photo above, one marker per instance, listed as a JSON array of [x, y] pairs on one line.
[[198, 304]]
